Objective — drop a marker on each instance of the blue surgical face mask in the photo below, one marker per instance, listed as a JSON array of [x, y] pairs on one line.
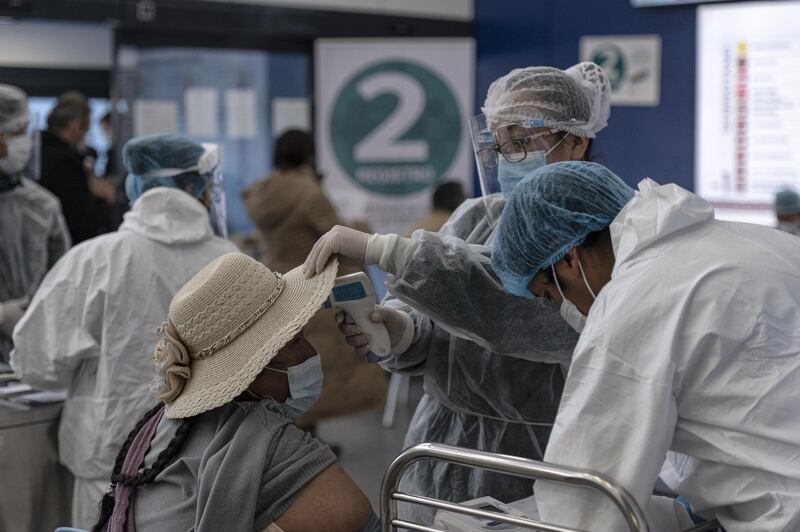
[[305, 386], [510, 174]]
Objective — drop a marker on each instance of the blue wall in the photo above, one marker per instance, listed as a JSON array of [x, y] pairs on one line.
[[639, 142], [289, 75], [509, 34]]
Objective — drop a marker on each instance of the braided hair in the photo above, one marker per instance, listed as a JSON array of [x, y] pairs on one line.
[[147, 475]]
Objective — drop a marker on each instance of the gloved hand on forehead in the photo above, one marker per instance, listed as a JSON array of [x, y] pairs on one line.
[[398, 324], [357, 248], [350, 245]]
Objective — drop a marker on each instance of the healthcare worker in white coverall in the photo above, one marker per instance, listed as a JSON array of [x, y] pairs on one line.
[[86, 328], [690, 349], [448, 317], [33, 233]]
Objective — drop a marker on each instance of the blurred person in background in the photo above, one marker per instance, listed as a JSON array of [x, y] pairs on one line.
[[112, 174], [289, 206], [291, 212], [83, 329], [787, 211], [67, 172], [32, 229], [111, 168], [446, 199]]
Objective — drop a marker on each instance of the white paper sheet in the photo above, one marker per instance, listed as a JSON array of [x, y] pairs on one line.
[[290, 113], [41, 398], [240, 114], [14, 389], [151, 117], [200, 108]]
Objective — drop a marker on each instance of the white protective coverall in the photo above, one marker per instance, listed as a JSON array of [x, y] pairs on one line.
[[705, 365], [91, 329], [471, 339], [33, 236]]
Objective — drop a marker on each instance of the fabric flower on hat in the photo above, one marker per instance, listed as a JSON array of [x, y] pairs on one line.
[[172, 366]]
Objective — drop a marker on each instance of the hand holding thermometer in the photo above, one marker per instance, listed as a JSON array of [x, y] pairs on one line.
[[355, 295]]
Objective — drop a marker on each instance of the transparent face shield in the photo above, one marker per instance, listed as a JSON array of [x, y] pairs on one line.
[[211, 162], [213, 196], [506, 153], [484, 148]]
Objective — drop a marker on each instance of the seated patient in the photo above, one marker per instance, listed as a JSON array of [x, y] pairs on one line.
[[221, 451]]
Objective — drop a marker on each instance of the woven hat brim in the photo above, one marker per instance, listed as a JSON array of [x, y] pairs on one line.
[[224, 375]]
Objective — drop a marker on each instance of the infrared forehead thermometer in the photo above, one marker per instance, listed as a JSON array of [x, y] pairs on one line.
[[355, 295]]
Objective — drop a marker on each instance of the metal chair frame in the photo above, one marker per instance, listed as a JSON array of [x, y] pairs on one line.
[[510, 465]]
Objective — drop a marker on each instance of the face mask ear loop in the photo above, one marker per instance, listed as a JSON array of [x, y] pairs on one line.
[[585, 281], [557, 144], [252, 395]]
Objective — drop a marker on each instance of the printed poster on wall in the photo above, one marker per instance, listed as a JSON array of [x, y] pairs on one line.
[[747, 136], [390, 124], [633, 65]]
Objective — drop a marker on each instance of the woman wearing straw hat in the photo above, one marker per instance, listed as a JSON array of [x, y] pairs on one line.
[[221, 451]]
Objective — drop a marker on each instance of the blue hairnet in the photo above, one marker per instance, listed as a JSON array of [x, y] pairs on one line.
[[155, 152], [787, 202], [551, 211]]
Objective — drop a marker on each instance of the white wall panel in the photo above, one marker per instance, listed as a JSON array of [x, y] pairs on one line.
[[55, 45], [462, 10]]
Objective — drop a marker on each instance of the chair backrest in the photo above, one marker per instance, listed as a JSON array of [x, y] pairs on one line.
[[498, 463], [510, 465]]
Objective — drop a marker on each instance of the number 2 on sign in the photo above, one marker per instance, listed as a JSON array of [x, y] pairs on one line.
[[384, 143]]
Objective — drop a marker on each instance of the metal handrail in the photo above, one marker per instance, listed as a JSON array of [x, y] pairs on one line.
[[498, 463], [708, 526]]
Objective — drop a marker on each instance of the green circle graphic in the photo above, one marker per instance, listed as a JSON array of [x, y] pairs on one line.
[[437, 123], [612, 59]]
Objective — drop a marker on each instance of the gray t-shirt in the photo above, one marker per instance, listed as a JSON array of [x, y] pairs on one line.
[[240, 469]]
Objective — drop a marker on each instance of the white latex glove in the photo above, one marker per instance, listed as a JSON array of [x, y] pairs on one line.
[[349, 244], [11, 312], [398, 324]]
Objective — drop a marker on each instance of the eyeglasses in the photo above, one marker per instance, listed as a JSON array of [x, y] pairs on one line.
[[514, 150]]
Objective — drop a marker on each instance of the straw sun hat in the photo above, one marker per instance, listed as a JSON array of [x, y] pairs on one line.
[[224, 327]]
